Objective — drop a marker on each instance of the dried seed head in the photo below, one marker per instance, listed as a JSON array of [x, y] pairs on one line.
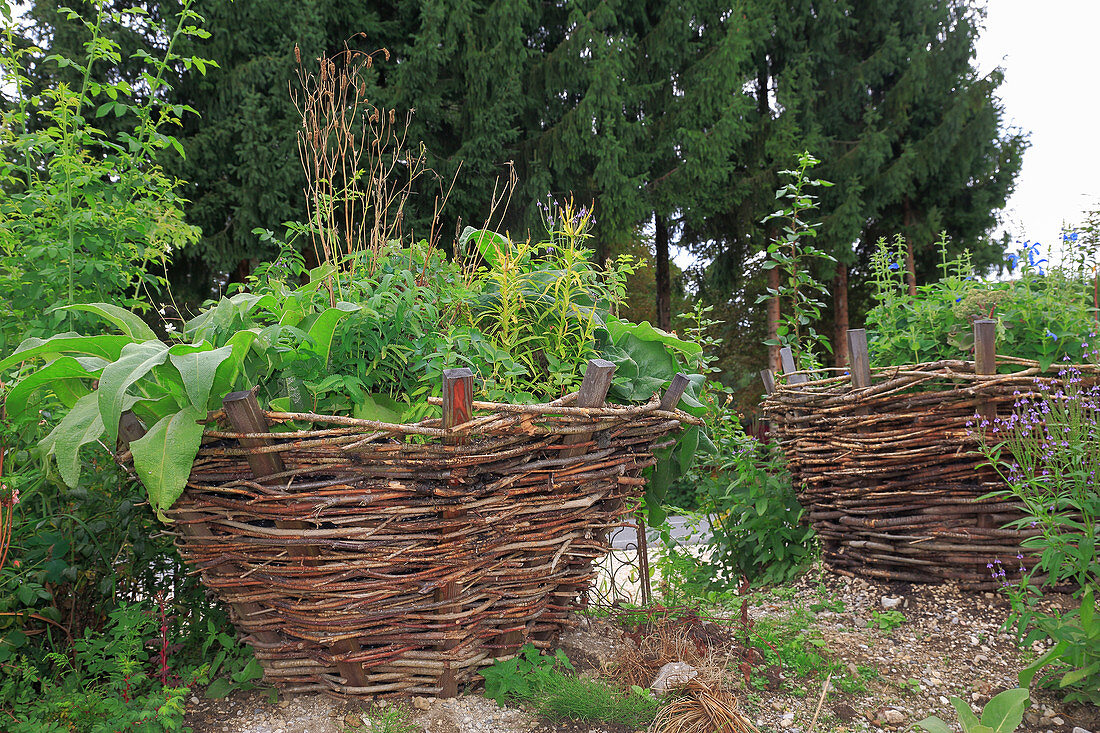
[[392, 117], [386, 53], [297, 54]]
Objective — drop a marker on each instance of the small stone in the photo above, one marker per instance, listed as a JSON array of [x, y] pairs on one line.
[[353, 720], [894, 717], [1057, 720], [422, 703], [890, 601], [787, 722], [777, 705], [1032, 717], [1080, 730]]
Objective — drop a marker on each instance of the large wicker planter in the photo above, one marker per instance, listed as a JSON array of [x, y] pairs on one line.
[[890, 473], [376, 558]]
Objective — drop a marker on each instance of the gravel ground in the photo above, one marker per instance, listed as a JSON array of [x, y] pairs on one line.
[[950, 643]]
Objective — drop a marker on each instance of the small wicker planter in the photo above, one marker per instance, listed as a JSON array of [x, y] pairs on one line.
[[890, 472], [365, 558]]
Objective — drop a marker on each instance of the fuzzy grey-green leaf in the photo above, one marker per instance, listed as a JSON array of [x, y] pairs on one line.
[[163, 456]]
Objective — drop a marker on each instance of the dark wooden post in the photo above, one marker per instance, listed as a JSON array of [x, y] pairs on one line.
[[130, 428], [859, 360], [985, 362], [593, 392], [985, 358], [458, 408], [671, 398], [786, 356], [769, 381], [245, 415]]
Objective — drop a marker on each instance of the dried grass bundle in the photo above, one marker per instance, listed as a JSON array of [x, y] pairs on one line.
[[702, 709]]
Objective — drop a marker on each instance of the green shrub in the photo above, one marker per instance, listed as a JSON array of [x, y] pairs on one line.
[[1044, 314], [106, 684], [86, 216]]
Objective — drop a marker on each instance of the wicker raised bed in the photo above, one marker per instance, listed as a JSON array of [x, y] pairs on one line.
[[365, 558], [890, 474]]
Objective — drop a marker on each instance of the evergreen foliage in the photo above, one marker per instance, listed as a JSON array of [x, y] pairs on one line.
[[680, 114]]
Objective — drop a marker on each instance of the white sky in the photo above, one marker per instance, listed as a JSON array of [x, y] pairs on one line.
[[1050, 54]]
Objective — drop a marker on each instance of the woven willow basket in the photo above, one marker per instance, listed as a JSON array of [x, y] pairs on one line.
[[891, 475], [399, 559]]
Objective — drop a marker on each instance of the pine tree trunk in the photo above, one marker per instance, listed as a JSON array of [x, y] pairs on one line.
[[773, 319], [840, 315], [664, 281]]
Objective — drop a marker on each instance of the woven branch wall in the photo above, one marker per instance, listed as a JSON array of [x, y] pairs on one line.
[[382, 560], [890, 473]]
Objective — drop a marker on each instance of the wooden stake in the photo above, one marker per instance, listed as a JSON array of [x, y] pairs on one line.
[[769, 381], [985, 362], [859, 360], [593, 392], [786, 356], [675, 391], [458, 408]]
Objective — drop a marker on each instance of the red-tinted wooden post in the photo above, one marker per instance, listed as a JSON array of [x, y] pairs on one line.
[[458, 408]]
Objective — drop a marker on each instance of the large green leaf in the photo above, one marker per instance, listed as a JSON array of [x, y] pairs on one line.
[[197, 365], [967, 719], [61, 368], [322, 328], [135, 362], [380, 407], [489, 244], [163, 456], [641, 367], [932, 724], [126, 321], [1005, 711], [82, 425], [106, 346], [646, 332]]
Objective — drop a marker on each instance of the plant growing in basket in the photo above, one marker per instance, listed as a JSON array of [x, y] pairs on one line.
[[1044, 313], [375, 357]]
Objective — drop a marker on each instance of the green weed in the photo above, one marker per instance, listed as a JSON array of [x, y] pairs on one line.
[[886, 621]]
